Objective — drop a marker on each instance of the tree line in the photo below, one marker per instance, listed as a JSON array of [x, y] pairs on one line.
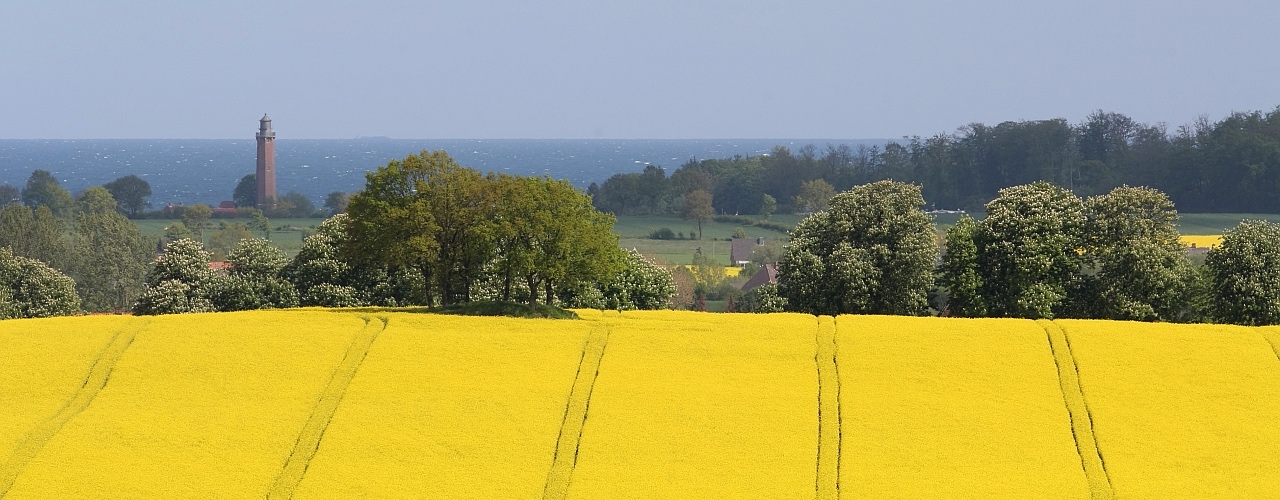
[[1040, 252], [1231, 165], [424, 231]]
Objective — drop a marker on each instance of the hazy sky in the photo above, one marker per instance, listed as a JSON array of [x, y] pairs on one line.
[[838, 69]]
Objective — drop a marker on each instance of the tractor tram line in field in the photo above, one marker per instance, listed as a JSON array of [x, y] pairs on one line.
[[827, 478], [1095, 468], [94, 381], [308, 442], [1273, 339], [575, 414]]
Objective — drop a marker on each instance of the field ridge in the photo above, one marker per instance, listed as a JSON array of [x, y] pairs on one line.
[[308, 442], [97, 377], [1095, 469], [829, 433], [575, 414]]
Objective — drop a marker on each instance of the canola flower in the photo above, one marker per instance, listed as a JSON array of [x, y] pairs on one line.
[[692, 405], [201, 405], [952, 408], [1182, 411], [641, 404], [1201, 241], [450, 407]]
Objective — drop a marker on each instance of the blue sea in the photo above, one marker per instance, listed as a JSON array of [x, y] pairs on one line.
[[206, 170]]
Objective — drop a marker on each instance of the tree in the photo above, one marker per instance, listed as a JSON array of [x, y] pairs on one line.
[[195, 217], [1028, 250], [640, 285], [246, 191], [222, 242], [1143, 273], [959, 274], [293, 204], [259, 222], [43, 190], [697, 206], [179, 281], [336, 202], [872, 252], [815, 196], [32, 289], [9, 194], [764, 299], [254, 280], [768, 205], [131, 193], [34, 234], [109, 254], [177, 231], [1245, 274], [95, 200]]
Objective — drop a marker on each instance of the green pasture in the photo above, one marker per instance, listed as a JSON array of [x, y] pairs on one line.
[[633, 231]]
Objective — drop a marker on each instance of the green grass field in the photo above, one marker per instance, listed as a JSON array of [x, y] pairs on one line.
[[633, 232], [285, 233]]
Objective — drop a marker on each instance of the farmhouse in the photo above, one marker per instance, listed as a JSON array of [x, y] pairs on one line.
[[740, 250]]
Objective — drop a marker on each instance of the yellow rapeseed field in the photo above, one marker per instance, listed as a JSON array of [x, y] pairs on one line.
[[952, 408], [198, 406], [695, 405], [1201, 241], [1182, 411], [451, 407], [368, 403]]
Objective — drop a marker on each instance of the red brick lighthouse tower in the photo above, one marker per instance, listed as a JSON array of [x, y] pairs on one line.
[[266, 164]]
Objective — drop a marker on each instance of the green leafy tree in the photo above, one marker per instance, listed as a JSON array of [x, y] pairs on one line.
[[109, 254], [1245, 274], [293, 205], [130, 193], [959, 274], [697, 207], [427, 213], [323, 276], [177, 231], [768, 205], [336, 202], [95, 200], [179, 281], [255, 279], [641, 284], [764, 299], [1029, 250], [9, 194], [34, 234], [260, 222], [43, 190], [872, 252], [246, 192], [196, 217], [31, 289], [815, 196], [1142, 271], [222, 242]]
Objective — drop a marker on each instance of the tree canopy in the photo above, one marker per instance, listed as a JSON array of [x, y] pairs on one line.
[[871, 253]]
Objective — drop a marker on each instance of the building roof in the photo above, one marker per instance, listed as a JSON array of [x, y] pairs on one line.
[[740, 249], [767, 274]]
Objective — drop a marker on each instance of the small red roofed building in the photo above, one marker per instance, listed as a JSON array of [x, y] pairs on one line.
[[226, 207], [740, 250], [766, 275]]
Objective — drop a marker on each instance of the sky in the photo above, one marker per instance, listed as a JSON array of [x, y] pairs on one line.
[[624, 69]]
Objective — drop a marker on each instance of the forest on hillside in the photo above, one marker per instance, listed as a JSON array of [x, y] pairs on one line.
[[1231, 165]]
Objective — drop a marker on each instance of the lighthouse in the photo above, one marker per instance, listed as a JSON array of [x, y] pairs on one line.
[[266, 174]]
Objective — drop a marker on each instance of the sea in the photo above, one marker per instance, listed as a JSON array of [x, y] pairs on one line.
[[206, 170]]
